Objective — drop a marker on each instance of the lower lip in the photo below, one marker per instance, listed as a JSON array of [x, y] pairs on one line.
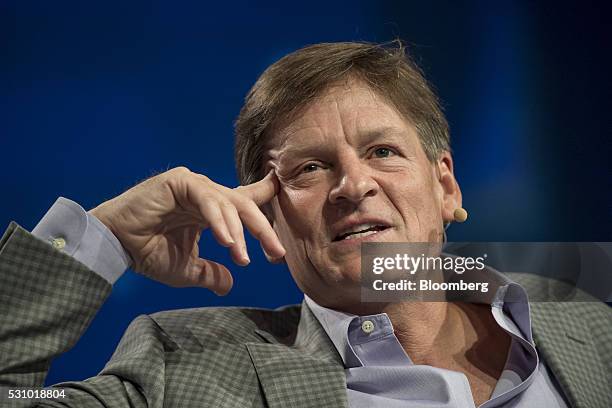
[[347, 243]]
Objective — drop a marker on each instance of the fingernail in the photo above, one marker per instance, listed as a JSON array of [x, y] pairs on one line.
[[245, 255]]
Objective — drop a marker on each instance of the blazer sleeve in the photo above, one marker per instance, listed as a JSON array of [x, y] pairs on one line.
[[47, 300]]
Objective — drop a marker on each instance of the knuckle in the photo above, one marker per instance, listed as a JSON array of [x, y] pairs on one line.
[[204, 181], [180, 170], [248, 204], [237, 199], [241, 192], [177, 176], [230, 211], [259, 231], [204, 178], [209, 204], [226, 206]]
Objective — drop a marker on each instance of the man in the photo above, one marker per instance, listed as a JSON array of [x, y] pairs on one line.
[[336, 145]]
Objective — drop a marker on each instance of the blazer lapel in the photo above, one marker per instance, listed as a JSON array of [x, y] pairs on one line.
[[308, 373], [568, 350]]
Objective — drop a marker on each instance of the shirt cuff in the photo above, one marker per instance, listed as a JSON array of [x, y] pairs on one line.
[[72, 230]]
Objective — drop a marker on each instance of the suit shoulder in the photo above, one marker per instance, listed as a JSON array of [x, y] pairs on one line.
[[229, 324], [548, 289]]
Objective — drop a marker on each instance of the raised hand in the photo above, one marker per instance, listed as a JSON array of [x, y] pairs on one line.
[[159, 223]]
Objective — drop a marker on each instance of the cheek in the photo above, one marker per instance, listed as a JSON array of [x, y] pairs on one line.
[[416, 201], [300, 211]]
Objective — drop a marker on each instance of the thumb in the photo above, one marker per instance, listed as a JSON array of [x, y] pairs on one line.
[[211, 275], [263, 190]]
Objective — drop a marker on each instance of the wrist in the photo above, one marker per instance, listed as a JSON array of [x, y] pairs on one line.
[[101, 214]]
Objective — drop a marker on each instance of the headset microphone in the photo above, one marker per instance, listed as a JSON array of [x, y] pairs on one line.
[[459, 215]]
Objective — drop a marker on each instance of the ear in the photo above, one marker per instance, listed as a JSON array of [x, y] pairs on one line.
[[451, 198]]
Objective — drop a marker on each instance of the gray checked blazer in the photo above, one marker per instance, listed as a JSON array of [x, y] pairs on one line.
[[225, 357]]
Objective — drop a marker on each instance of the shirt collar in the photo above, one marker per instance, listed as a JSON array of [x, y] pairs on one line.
[[508, 300], [335, 324]]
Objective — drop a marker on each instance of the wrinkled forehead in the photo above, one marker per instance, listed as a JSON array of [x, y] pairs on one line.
[[349, 109]]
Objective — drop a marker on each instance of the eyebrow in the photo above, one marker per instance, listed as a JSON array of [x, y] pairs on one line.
[[388, 133]]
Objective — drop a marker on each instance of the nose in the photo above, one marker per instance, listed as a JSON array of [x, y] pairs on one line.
[[354, 183]]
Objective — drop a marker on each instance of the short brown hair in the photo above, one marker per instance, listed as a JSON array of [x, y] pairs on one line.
[[293, 81]]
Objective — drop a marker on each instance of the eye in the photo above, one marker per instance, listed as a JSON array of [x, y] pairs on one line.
[[383, 152], [310, 167]]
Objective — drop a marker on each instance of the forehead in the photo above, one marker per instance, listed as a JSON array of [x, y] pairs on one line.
[[349, 109]]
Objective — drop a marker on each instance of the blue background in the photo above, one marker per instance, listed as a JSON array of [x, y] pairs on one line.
[[96, 97]]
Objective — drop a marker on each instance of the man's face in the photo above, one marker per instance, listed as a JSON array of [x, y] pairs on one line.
[[352, 170]]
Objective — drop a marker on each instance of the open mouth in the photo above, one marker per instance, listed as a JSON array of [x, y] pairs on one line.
[[360, 232]]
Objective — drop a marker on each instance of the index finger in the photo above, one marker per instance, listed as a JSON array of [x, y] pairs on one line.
[[261, 191]]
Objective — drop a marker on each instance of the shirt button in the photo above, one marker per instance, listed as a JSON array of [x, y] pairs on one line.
[[58, 243], [367, 326]]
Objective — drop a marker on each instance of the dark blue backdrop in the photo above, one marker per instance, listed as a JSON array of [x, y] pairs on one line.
[[95, 97]]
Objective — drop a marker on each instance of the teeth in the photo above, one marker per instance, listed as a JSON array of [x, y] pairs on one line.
[[359, 228], [360, 234]]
